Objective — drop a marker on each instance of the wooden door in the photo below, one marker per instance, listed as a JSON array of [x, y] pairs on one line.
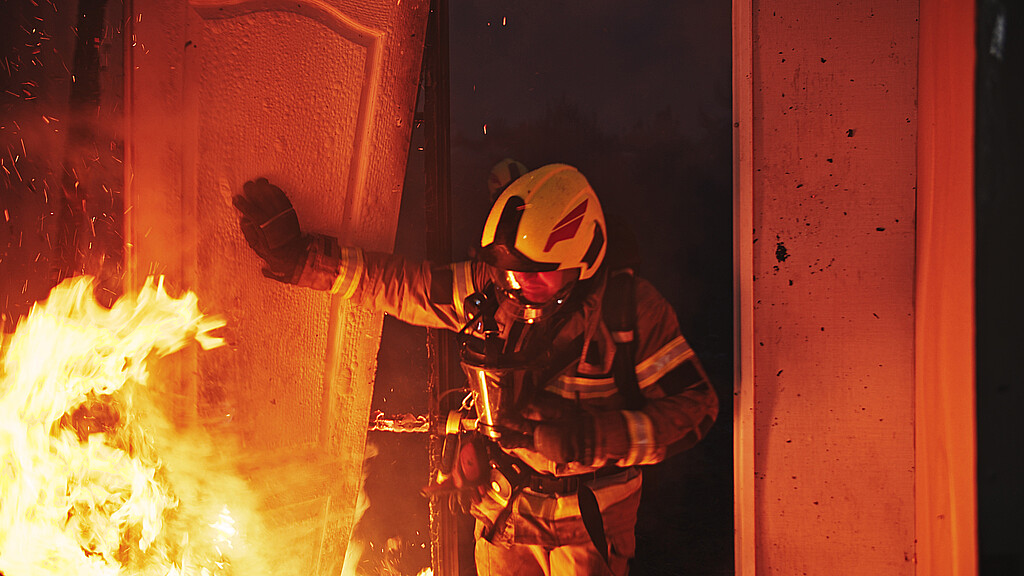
[[318, 96]]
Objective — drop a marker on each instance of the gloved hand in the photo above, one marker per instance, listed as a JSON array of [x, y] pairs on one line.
[[271, 228], [568, 439]]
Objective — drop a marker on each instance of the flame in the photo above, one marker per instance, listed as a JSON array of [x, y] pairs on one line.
[[356, 547], [95, 480]]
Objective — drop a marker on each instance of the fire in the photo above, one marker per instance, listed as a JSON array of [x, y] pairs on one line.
[[95, 480]]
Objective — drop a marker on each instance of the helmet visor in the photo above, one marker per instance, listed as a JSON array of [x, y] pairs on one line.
[[501, 256], [536, 287]]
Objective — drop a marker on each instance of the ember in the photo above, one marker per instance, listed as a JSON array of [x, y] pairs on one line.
[[399, 423]]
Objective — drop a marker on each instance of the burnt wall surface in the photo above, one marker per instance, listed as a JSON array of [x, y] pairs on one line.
[[833, 206]]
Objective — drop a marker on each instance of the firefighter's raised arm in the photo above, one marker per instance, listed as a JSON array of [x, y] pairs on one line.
[[271, 228], [414, 292]]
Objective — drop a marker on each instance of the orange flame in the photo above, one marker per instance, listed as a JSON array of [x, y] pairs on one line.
[[95, 481]]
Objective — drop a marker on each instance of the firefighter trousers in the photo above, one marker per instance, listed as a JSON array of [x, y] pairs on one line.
[[533, 560], [545, 535]]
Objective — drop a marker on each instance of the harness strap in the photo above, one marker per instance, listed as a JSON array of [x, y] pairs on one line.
[[502, 518], [590, 512], [619, 312]]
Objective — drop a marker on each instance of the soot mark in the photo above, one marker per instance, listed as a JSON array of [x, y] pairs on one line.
[[780, 252]]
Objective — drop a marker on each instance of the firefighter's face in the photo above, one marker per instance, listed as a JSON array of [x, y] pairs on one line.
[[539, 287]]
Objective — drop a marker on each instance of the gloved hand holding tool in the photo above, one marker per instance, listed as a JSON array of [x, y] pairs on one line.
[[567, 439], [565, 433]]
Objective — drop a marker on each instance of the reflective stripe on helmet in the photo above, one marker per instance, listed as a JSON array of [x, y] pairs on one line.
[[567, 227]]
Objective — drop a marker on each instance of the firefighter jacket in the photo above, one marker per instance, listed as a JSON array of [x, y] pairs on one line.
[[681, 404]]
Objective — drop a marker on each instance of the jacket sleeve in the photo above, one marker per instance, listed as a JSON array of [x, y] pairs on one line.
[[418, 293], [681, 404]]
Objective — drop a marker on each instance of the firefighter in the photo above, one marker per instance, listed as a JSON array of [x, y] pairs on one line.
[[502, 174], [579, 372], [499, 177]]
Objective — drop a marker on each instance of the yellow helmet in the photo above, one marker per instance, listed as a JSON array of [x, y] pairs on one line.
[[548, 219]]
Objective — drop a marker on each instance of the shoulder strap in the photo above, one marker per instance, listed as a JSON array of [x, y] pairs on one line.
[[619, 312]]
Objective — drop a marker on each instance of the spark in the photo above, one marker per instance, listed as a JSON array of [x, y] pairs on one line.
[[14, 164]]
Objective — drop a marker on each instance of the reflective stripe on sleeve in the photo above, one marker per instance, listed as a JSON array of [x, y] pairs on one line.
[[462, 286], [621, 337], [583, 387], [641, 437], [349, 273], [663, 361]]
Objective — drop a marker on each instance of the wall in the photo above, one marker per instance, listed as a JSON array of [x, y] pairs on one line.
[[946, 486], [826, 125]]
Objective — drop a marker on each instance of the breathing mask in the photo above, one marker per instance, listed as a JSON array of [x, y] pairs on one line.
[[501, 352]]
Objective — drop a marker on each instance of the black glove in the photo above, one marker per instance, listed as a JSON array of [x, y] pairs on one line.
[[271, 228], [567, 439]]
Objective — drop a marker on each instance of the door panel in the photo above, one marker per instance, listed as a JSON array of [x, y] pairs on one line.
[[318, 97]]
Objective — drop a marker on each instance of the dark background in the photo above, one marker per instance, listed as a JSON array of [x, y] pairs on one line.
[[638, 98], [999, 204]]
